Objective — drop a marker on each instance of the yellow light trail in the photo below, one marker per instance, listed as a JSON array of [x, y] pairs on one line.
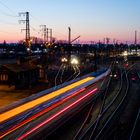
[[13, 112]]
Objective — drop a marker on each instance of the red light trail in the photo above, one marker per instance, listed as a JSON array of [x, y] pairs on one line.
[[15, 127], [56, 115]]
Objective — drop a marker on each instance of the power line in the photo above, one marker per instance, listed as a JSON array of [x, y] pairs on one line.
[[34, 29], [5, 32], [9, 23], [35, 19], [7, 14], [10, 10]]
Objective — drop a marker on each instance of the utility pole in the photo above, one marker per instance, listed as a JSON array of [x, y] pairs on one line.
[[107, 40], [69, 43], [27, 29], [108, 49], [69, 37], [136, 41], [104, 40], [135, 38]]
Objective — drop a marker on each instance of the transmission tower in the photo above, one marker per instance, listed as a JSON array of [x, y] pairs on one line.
[[50, 35], [44, 31], [27, 29], [47, 33]]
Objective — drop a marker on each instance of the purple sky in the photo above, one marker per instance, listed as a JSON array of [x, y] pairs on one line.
[[92, 19]]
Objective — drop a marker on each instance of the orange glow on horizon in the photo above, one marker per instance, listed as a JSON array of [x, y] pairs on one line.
[[16, 36]]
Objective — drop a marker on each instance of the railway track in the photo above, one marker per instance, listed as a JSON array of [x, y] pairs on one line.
[[110, 108], [136, 124], [97, 129], [91, 109], [135, 127], [103, 93]]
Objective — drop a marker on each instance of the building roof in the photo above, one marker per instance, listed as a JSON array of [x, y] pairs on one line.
[[20, 67]]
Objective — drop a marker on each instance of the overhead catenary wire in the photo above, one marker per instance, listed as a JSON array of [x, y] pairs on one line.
[[33, 17], [9, 23], [35, 30], [11, 13], [62, 73], [78, 72], [71, 77], [9, 9], [5, 32], [57, 75], [7, 14]]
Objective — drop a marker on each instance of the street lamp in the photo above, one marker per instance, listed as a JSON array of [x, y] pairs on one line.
[[64, 60], [74, 61]]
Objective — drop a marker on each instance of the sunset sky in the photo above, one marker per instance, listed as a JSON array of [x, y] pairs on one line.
[[93, 20]]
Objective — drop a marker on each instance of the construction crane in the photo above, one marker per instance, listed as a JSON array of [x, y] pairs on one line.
[[75, 39]]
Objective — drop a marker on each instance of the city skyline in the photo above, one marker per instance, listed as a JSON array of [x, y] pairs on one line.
[[93, 20]]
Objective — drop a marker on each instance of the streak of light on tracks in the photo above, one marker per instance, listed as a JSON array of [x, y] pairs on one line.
[[13, 112], [56, 115], [17, 126]]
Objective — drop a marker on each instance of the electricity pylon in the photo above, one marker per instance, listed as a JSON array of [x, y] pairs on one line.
[[27, 29]]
